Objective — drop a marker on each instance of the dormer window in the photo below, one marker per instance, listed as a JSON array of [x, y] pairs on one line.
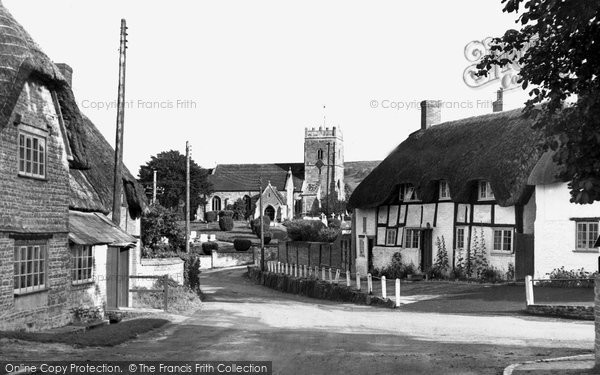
[[444, 193], [485, 191], [408, 193], [320, 154]]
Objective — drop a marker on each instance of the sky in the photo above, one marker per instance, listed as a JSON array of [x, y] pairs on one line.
[[241, 80]]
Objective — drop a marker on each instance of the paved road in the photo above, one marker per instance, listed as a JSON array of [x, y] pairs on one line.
[[243, 321]]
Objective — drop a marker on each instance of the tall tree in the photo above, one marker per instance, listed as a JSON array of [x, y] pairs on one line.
[[558, 50], [170, 167]]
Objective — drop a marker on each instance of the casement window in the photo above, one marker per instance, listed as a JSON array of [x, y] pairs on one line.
[[444, 193], [364, 224], [81, 264], [485, 191], [361, 246], [412, 239], [503, 240], [460, 238], [30, 261], [410, 193], [586, 236], [32, 155], [390, 236]]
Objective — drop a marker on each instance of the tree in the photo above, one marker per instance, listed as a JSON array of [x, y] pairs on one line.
[[558, 49], [170, 167]]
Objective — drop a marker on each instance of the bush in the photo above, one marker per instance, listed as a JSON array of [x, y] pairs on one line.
[[396, 269], [491, 275], [160, 250], [241, 244], [328, 234], [226, 223], [310, 230], [180, 299], [208, 247], [159, 223], [267, 237], [575, 278], [256, 225], [191, 271], [210, 216], [334, 223], [226, 213]]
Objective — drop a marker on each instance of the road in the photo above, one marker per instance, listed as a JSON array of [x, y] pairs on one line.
[[244, 321]]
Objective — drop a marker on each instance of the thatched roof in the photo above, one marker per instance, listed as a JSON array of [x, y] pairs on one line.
[[500, 148], [22, 59], [91, 170], [92, 189], [546, 171]]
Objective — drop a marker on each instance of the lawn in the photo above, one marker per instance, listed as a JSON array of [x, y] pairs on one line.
[[109, 335]]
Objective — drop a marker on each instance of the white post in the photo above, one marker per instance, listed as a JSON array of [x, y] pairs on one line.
[[357, 281], [348, 278], [304, 270], [369, 284], [296, 272], [330, 278], [323, 274], [337, 277], [529, 290], [278, 267], [397, 292], [383, 287]]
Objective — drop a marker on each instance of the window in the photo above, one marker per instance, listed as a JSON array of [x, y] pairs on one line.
[[29, 266], [361, 247], [410, 193], [460, 238], [587, 233], [412, 239], [320, 154], [216, 203], [32, 155], [444, 190], [503, 239], [364, 224], [390, 236], [81, 265], [485, 191]]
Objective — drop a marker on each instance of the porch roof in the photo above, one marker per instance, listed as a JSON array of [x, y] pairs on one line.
[[92, 228]]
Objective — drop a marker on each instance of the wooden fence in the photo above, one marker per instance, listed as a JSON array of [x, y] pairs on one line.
[[164, 290]]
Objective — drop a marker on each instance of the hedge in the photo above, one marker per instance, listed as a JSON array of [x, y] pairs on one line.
[[226, 223], [210, 216], [208, 247], [241, 244]]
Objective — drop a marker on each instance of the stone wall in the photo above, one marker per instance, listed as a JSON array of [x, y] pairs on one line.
[[562, 311], [174, 267]]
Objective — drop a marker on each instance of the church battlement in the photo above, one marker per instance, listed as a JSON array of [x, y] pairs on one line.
[[321, 132]]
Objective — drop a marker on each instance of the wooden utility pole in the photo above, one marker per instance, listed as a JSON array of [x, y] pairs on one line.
[[262, 229], [118, 172], [187, 197], [154, 188]]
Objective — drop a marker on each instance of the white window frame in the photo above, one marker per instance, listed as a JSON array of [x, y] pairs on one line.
[[30, 159], [388, 232], [409, 238], [586, 224], [464, 238], [444, 193], [484, 191], [30, 265], [503, 232], [82, 264], [410, 193]]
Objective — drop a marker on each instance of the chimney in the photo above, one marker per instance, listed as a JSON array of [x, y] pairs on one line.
[[66, 71], [497, 105], [430, 113]]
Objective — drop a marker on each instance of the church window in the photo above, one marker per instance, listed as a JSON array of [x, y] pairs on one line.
[[320, 154]]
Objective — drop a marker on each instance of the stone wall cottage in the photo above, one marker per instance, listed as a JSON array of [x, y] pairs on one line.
[[453, 180], [58, 248]]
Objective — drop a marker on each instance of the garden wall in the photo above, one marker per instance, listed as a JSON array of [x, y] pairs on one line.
[[222, 259], [158, 267]]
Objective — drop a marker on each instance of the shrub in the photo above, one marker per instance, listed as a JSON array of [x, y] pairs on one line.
[[181, 298], [159, 250], [490, 275], [310, 230], [226, 223], [440, 267], [396, 269], [210, 216], [510, 274], [575, 278], [191, 271], [241, 244], [208, 247], [226, 213], [267, 237], [159, 223], [239, 209], [256, 224], [334, 223], [328, 234]]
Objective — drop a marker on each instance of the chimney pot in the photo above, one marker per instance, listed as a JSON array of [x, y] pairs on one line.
[[499, 103], [431, 113], [66, 71]]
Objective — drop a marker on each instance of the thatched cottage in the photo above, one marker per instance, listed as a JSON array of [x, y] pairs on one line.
[[58, 248], [471, 181]]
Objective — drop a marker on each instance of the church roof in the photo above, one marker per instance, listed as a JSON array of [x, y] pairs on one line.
[[245, 177]]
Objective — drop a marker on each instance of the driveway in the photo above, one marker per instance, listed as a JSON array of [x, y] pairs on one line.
[[243, 321]]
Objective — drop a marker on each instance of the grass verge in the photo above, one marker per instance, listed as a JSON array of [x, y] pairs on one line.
[[109, 335]]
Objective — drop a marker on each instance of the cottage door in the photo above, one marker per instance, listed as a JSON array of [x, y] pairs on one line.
[[524, 250], [117, 280], [370, 254], [426, 249]]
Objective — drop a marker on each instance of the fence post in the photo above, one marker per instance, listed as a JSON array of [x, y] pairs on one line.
[[323, 274], [330, 278], [337, 277], [296, 270], [383, 287], [348, 278], [529, 290], [304, 271], [166, 292], [369, 284], [357, 281], [397, 292]]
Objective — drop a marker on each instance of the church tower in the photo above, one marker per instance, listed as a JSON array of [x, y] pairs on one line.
[[324, 162]]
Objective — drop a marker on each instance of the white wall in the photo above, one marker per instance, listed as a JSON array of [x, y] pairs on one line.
[[371, 215], [555, 232]]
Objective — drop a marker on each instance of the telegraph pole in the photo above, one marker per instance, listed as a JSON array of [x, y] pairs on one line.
[[262, 231], [187, 197], [118, 172], [154, 188]]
